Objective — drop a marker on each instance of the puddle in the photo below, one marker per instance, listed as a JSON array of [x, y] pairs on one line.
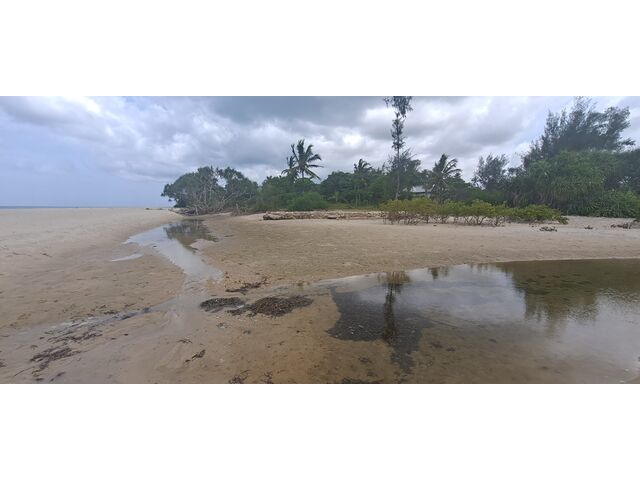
[[128, 257], [578, 320], [175, 241], [188, 231]]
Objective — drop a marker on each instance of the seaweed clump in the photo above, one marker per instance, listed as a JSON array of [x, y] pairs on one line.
[[217, 304], [275, 306]]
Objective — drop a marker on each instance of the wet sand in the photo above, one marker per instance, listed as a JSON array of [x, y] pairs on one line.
[[56, 264], [71, 314]]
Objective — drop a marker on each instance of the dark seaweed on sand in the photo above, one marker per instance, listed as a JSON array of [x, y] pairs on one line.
[[217, 304], [275, 306]]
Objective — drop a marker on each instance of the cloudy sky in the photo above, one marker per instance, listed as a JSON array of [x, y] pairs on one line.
[[120, 151]]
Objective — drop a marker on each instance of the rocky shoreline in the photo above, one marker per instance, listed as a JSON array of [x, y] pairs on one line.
[[327, 215]]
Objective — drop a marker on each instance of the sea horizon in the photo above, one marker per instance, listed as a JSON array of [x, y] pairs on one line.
[[25, 207]]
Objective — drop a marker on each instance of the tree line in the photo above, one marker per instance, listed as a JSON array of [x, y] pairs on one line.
[[581, 165]]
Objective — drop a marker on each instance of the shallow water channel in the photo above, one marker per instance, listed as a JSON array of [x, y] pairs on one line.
[[175, 241]]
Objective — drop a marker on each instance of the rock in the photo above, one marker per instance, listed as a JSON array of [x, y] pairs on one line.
[[330, 215], [627, 225]]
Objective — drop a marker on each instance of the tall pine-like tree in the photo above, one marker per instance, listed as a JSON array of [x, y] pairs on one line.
[[401, 106]]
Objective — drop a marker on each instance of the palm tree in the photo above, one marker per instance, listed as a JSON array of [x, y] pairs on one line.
[[303, 159], [439, 178], [291, 172], [361, 171]]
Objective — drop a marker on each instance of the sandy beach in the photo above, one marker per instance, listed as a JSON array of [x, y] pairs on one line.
[[70, 313], [56, 263], [309, 250]]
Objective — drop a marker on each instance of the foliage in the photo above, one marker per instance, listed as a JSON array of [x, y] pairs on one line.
[[581, 165], [301, 162], [399, 162], [573, 182], [308, 201], [491, 172], [582, 128], [339, 187], [476, 212], [619, 204], [439, 180], [210, 190], [403, 172], [536, 213], [275, 194], [362, 175]]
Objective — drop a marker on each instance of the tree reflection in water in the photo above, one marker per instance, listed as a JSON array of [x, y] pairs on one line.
[[554, 294], [189, 231]]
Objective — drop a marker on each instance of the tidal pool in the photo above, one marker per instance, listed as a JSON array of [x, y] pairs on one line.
[[175, 242], [542, 321]]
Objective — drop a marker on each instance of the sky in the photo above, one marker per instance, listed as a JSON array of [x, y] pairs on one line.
[[121, 151]]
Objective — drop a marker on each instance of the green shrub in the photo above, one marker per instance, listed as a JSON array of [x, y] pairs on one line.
[[617, 204], [536, 214], [502, 214], [479, 211], [456, 210], [308, 201], [424, 208], [411, 212], [443, 211], [392, 211]]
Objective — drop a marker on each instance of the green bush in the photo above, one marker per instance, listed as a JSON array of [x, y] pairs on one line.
[[393, 211], [617, 204], [477, 212], [308, 201], [502, 214], [445, 210], [456, 210], [537, 213], [422, 208]]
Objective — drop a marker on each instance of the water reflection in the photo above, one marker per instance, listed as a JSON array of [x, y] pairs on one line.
[[571, 290], [364, 318], [175, 242], [584, 308], [188, 232]]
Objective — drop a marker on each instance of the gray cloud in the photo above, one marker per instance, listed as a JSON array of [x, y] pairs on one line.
[[157, 139]]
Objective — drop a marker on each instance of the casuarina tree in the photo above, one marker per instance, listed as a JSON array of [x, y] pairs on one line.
[[401, 106]]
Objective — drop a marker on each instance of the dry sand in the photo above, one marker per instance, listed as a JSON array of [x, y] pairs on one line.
[[289, 251], [62, 297]]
